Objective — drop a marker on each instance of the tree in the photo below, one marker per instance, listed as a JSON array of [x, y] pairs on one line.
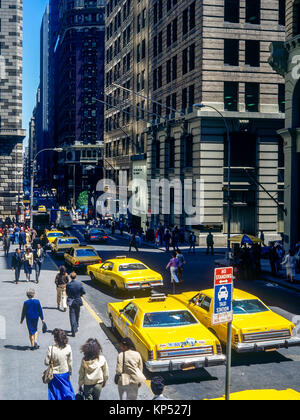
[[83, 199]]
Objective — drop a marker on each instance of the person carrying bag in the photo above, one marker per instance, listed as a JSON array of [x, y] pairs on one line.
[[48, 373], [129, 371]]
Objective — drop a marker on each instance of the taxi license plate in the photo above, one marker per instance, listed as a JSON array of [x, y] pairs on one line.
[[188, 366], [269, 349], [144, 285]]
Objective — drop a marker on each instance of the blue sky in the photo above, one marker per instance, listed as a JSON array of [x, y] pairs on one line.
[[33, 14]]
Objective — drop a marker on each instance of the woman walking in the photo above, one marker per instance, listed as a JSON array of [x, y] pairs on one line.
[[129, 371], [60, 356], [61, 281], [32, 311], [93, 373], [290, 265], [173, 265], [28, 263]]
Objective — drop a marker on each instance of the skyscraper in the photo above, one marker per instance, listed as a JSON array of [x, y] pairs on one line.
[[76, 58], [11, 132]]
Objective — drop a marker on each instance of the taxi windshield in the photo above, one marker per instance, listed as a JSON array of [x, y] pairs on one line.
[[168, 319], [86, 253], [54, 235], [248, 306], [132, 267], [68, 241]]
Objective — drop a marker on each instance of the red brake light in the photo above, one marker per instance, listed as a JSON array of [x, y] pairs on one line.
[[77, 263]]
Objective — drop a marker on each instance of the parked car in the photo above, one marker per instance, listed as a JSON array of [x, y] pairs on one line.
[[166, 334]]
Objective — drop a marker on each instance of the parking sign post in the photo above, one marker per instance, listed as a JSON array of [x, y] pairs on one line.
[[223, 313]]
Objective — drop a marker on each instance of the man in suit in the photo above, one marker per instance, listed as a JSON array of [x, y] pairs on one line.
[[75, 291], [6, 244], [16, 265], [39, 257]]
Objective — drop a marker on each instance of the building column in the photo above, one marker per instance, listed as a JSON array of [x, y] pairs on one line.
[[291, 139]]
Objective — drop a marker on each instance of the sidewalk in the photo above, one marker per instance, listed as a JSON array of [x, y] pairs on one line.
[[281, 281], [20, 368]]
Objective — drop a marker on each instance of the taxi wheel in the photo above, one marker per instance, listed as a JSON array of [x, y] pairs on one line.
[[93, 278]]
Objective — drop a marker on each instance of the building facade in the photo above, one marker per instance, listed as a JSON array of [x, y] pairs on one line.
[[76, 66], [11, 132], [216, 53], [286, 60], [126, 89]]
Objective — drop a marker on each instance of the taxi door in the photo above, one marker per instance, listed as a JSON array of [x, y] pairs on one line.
[[69, 257], [201, 307], [104, 273], [126, 322]]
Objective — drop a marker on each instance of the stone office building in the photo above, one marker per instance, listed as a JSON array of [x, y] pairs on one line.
[[11, 132], [126, 70], [286, 60], [216, 53]]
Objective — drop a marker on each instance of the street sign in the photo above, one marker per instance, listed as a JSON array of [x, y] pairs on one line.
[[223, 296]]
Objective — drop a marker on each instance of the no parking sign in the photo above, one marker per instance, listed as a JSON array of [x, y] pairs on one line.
[[223, 296]]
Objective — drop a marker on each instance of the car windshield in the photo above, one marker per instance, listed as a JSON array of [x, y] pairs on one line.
[[55, 235], [68, 241], [248, 306], [132, 267], [168, 319], [86, 253]]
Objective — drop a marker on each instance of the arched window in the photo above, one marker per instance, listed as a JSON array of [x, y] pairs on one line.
[[296, 106]]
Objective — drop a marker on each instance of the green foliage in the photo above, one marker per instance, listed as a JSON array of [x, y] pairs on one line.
[[83, 199]]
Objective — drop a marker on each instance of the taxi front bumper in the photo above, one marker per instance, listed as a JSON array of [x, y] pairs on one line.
[[169, 365], [266, 345]]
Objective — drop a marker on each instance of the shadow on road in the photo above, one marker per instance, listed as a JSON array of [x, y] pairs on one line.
[[260, 358]]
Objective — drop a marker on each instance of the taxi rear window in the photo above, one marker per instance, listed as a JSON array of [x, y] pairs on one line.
[[86, 253], [168, 319], [132, 267], [68, 241], [248, 306]]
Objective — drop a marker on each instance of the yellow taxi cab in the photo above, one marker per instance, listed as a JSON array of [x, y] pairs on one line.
[[166, 334], [50, 236], [79, 257], [263, 395], [42, 209], [125, 273], [61, 245], [255, 327]]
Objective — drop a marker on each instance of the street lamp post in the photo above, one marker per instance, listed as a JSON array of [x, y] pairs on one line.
[[229, 325], [58, 150]]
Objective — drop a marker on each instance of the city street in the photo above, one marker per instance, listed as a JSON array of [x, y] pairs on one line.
[[261, 370]]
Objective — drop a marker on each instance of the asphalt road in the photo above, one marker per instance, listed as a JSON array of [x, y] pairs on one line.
[[276, 370]]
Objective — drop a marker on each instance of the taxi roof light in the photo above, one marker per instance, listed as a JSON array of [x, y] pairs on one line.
[[157, 297], [121, 257]]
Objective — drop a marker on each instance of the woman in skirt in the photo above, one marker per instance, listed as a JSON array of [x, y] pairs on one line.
[[60, 355], [28, 263], [32, 311]]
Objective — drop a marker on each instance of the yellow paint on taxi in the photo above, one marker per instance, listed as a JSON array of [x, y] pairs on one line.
[[263, 395], [111, 274]]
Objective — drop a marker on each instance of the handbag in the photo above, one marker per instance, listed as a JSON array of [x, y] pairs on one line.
[[118, 375], [48, 374], [44, 327]]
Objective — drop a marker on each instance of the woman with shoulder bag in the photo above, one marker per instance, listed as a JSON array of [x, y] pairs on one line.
[[93, 373], [61, 281], [129, 371], [59, 357]]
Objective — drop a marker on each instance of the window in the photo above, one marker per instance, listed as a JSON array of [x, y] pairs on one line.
[[252, 53], [130, 312], [281, 12], [252, 97], [296, 18], [232, 11], [189, 151], [281, 98], [231, 92], [231, 52], [253, 8], [205, 304]]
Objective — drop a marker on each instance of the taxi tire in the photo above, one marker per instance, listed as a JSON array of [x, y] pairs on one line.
[[112, 325], [93, 278]]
